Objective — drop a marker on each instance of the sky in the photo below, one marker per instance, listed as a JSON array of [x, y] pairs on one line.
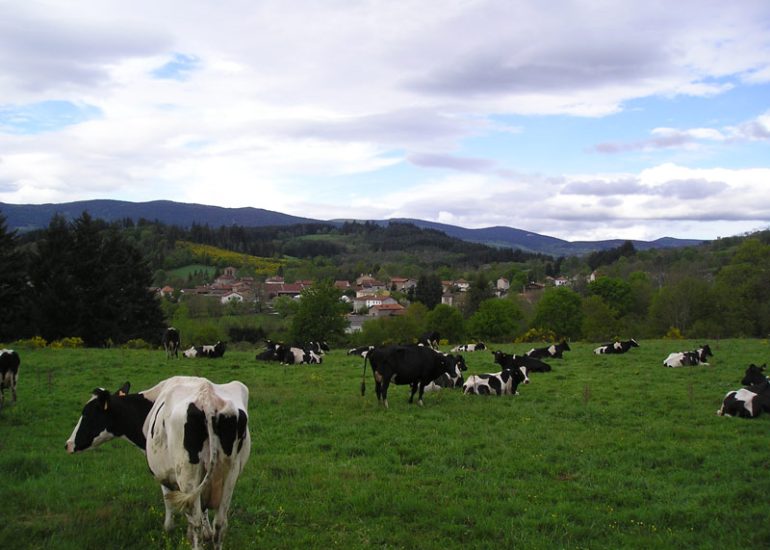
[[582, 120]]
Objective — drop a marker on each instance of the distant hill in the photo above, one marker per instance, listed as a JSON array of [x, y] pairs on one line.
[[28, 217]]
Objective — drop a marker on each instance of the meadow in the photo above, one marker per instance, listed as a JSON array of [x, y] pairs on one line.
[[603, 452]]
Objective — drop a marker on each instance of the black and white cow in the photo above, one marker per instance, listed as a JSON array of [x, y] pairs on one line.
[[509, 361], [195, 436], [747, 402], [479, 346], [430, 339], [505, 382], [754, 375], [317, 347], [616, 347], [292, 355], [271, 351], [451, 379], [688, 358], [416, 366], [360, 350], [554, 351], [9, 373], [171, 342], [209, 351]]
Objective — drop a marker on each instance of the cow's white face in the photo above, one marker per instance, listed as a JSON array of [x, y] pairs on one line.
[[92, 428]]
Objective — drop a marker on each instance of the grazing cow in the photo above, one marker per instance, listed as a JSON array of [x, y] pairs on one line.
[[754, 375], [360, 350], [171, 342], [430, 339], [9, 373], [196, 438], [480, 346], [553, 351], [505, 382], [451, 379], [688, 358], [747, 402], [508, 361], [413, 365], [210, 351], [616, 347]]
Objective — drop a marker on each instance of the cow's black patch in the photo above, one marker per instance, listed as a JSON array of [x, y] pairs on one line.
[[496, 384], [195, 433], [226, 428], [243, 421]]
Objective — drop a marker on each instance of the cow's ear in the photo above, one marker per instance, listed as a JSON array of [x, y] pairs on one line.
[[103, 396], [123, 390]]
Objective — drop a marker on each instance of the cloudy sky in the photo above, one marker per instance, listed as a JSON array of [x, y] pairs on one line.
[[581, 119]]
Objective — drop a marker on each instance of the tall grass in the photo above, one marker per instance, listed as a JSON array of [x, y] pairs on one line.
[[603, 452]]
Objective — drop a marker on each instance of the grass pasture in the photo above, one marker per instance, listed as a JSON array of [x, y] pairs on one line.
[[603, 452]]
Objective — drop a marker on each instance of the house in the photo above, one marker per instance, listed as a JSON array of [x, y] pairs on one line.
[[402, 284], [231, 297], [503, 284], [363, 303], [387, 310], [447, 298]]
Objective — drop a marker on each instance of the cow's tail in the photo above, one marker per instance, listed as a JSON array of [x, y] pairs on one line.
[[363, 376], [184, 501]]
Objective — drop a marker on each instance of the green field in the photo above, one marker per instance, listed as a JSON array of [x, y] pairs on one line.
[[603, 452]]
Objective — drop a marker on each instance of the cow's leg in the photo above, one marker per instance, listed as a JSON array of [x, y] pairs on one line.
[[385, 384], [422, 392], [414, 390], [168, 521]]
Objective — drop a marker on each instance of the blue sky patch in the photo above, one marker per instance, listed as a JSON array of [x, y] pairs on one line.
[[179, 68], [44, 116]]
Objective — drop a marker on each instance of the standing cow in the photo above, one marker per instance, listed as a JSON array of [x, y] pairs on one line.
[[416, 366], [196, 438], [171, 342], [9, 373]]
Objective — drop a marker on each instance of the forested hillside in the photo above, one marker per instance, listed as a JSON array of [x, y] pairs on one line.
[[89, 279]]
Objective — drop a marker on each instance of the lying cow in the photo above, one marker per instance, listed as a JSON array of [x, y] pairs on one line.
[[505, 382], [747, 402], [196, 439], [754, 375], [451, 379], [416, 366], [171, 342], [616, 347], [688, 358], [480, 346], [209, 351], [553, 351], [9, 373], [508, 361], [291, 355]]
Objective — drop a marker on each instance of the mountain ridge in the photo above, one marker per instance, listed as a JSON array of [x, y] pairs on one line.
[[29, 217]]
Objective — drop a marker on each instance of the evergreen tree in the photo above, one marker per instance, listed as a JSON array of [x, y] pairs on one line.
[[428, 290], [15, 321]]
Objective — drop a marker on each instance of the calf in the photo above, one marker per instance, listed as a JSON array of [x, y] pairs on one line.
[[747, 402], [616, 347], [210, 351], [451, 379], [553, 351], [171, 342], [480, 346], [416, 366], [688, 358], [9, 373], [196, 439]]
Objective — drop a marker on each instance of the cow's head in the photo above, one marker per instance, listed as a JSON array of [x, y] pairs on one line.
[[633, 343], [754, 375], [565, 345], [705, 351], [96, 423]]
